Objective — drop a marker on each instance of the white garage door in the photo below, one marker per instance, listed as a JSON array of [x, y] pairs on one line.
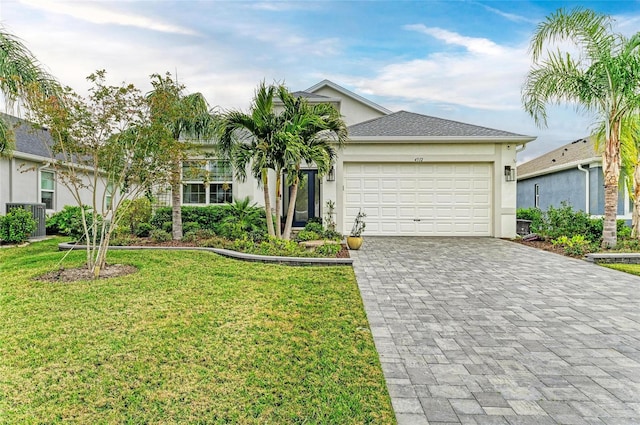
[[421, 199]]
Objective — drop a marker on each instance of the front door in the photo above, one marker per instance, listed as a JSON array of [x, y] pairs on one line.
[[307, 200]]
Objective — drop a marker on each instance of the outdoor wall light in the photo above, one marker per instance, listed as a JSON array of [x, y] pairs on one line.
[[509, 173], [331, 176]]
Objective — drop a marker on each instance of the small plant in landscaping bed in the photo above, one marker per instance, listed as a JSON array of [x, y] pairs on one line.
[[328, 249], [136, 216], [308, 235], [17, 225], [159, 235], [576, 246]]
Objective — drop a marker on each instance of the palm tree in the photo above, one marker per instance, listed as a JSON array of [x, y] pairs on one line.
[[310, 133], [248, 140], [183, 116], [603, 78], [21, 76]]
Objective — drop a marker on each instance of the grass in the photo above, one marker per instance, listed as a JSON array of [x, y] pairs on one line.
[[190, 338], [627, 268]]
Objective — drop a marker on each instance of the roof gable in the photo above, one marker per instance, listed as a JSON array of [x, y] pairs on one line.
[[409, 124], [348, 93], [581, 150]]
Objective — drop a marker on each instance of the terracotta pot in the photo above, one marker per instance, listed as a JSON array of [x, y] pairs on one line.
[[354, 242]]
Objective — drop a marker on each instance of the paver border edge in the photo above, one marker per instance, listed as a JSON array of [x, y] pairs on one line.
[[291, 261]]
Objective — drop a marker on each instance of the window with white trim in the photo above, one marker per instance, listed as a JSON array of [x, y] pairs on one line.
[[536, 200], [47, 188], [207, 182], [108, 199]]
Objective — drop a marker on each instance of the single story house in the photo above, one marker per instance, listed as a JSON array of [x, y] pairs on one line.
[[26, 177], [571, 173], [411, 174]]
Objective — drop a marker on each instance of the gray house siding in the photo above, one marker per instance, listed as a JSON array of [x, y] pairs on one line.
[[567, 186], [553, 189]]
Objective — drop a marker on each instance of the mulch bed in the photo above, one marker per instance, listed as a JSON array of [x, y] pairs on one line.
[[540, 244], [82, 273]]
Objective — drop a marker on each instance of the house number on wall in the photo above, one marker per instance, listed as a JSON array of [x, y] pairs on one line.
[[418, 159]]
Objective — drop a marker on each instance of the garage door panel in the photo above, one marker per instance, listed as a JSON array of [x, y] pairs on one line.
[[452, 199]]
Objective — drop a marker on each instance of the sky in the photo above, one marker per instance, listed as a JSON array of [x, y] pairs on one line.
[[459, 60]]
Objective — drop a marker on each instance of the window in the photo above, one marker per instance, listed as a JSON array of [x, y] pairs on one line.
[[207, 182], [47, 188], [536, 200], [109, 196]]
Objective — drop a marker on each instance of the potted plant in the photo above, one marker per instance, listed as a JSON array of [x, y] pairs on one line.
[[354, 240]]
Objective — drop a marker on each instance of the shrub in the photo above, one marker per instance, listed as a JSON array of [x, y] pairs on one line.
[[17, 225], [309, 235], [229, 220], [190, 226], [328, 249], [143, 230], [135, 213], [190, 236], [534, 215], [159, 235], [314, 226], [66, 221], [576, 246]]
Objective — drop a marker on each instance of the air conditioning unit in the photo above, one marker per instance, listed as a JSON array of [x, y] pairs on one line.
[[39, 212]]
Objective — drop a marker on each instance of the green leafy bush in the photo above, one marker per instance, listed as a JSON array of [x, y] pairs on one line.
[[159, 235], [143, 230], [309, 235], [17, 225], [314, 226], [190, 226], [136, 213], [328, 249], [229, 220], [65, 221], [576, 246], [534, 215]]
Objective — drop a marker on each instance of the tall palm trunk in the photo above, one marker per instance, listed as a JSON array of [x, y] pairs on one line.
[[611, 168], [267, 201], [278, 224], [635, 217], [176, 204], [291, 210]]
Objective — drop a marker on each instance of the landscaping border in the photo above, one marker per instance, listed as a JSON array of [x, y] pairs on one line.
[[290, 261], [613, 257]]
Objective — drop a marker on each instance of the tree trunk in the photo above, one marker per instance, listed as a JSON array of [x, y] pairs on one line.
[[635, 217], [291, 210], [267, 201], [278, 224], [176, 203], [611, 169]]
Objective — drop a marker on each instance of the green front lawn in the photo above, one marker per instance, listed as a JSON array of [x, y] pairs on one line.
[[627, 268], [191, 338]]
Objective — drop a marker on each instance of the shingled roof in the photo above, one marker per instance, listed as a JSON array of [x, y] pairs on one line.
[[308, 95], [29, 139], [581, 150], [409, 124]]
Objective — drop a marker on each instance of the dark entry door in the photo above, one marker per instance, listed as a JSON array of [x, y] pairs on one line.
[[307, 200]]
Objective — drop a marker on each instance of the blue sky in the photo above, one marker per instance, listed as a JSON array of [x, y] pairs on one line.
[[461, 60]]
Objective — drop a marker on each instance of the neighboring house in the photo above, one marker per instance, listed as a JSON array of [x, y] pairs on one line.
[[27, 176], [412, 174], [572, 174]]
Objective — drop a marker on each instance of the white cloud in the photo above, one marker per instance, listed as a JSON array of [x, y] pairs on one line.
[[484, 75], [96, 14], [509, 16]]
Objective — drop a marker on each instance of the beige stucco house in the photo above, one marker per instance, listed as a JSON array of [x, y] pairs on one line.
[[412, 174]]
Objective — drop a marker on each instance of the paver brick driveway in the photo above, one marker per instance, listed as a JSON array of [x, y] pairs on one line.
[[486, 331]]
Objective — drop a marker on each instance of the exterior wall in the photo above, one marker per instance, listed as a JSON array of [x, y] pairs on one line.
[[20, 183], [352, 110], [553, 189], [570, 186]]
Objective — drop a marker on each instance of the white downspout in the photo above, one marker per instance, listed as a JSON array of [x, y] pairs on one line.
[[586, 187]]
